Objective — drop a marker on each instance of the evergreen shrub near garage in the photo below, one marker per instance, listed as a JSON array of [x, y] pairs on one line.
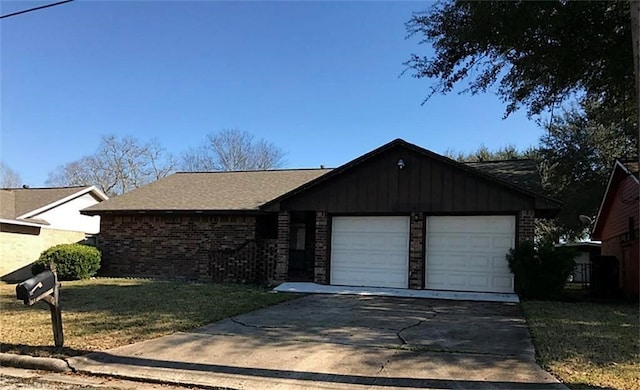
[[541, 270], [73, 261]]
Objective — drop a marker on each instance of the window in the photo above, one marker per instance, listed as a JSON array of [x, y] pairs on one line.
[[298, 236]]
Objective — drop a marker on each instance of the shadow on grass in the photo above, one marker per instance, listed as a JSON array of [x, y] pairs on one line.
[[586, 386], [41, 350]]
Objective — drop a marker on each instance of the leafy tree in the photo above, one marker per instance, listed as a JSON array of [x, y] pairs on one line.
[[575, 157], [8, 177], [232, 150], [483, 153], [117, 166], [539, 53]]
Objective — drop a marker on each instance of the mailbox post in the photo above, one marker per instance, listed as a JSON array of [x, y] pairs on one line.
[[45, 287]]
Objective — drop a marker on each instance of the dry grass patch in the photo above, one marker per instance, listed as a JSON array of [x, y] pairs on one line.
[[586, 344], [106, 313]]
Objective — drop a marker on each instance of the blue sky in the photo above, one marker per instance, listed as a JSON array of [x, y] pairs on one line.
[[321, 80]]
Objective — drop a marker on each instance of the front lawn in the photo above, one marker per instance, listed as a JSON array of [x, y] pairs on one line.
[[105, 313], [586, 344]]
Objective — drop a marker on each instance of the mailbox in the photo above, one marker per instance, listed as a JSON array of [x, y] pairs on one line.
[[32, 290]]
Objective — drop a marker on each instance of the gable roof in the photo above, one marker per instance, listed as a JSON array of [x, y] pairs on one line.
[[22, 204], [251, 191], [620, 171], [519, 175], [209, 191]]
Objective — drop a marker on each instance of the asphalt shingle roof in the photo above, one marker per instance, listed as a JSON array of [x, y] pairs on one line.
[[522, 173], [15, 202], [248, 190], [191, 191]]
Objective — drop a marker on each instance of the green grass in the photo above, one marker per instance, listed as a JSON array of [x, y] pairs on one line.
[[105, 313], [587, 345]]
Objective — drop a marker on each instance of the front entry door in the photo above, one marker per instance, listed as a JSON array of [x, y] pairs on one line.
[[299, 258]]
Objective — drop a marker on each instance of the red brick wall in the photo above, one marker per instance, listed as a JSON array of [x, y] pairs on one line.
[[282, 259], [416, 251], [181, 247], [526, 225], [321, 255]]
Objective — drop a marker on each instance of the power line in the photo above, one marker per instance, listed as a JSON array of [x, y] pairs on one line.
[[35, 9]]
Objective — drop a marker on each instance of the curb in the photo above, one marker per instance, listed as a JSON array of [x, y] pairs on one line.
[[34, 363]]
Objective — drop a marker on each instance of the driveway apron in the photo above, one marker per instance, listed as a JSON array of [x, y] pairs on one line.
[[342, 342]]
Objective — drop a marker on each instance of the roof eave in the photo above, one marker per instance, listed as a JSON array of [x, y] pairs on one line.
[[49, 206], [21, 223], [173, 212]]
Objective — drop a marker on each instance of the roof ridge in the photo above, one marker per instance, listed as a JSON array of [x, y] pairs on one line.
[[255, 170], [498, 161], [44, 188]]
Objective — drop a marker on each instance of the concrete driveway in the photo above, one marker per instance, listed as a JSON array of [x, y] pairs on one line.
[[342, 342]]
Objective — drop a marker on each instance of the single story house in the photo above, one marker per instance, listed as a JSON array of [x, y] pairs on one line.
[[398, 216], [617, 224], [35, 219]]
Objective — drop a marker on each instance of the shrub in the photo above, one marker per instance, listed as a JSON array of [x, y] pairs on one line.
[[540, 271], [73, 261]]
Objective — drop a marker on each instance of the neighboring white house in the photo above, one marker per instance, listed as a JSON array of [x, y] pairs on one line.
[[34, 219], [587, 250]]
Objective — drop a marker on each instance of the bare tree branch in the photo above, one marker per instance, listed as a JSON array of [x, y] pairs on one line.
[[8, 177], [232, 150], [119, 165]]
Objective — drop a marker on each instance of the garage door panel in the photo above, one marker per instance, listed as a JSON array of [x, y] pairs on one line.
[[362, 241], [369, 224], [484, 224], [503, 243], [373, 277], [468, 253], [370, 251]]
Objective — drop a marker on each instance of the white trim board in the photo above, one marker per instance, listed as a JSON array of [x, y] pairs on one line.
[[314, 288]]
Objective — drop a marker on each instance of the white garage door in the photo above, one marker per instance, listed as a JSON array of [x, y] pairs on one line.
[[468, 253], [370, 251]]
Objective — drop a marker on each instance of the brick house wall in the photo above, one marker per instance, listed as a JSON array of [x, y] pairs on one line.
[[321, 248], [416, 251], [282, 251], [526, 225], [204, 247]]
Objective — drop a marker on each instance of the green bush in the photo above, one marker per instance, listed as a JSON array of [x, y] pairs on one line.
[[73, 261], [540, 271]]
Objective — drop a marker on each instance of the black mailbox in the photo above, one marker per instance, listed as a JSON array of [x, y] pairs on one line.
[[32, 290]]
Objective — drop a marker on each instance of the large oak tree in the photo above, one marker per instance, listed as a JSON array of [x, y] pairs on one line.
[[539, 54]]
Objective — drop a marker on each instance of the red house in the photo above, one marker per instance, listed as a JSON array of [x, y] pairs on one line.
[[617, 224]]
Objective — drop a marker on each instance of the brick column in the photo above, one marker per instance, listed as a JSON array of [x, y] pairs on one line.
[[320, 273], [282, 251], [526, 225], [416, 252]]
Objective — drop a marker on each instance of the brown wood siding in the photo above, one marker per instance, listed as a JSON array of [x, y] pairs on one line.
[[624, 204], [425, 184]]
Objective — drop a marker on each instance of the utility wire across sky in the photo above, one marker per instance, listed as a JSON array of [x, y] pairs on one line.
[[34, 9]]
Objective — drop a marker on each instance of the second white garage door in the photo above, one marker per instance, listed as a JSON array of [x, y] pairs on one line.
[[370, 251], [468, 253]]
